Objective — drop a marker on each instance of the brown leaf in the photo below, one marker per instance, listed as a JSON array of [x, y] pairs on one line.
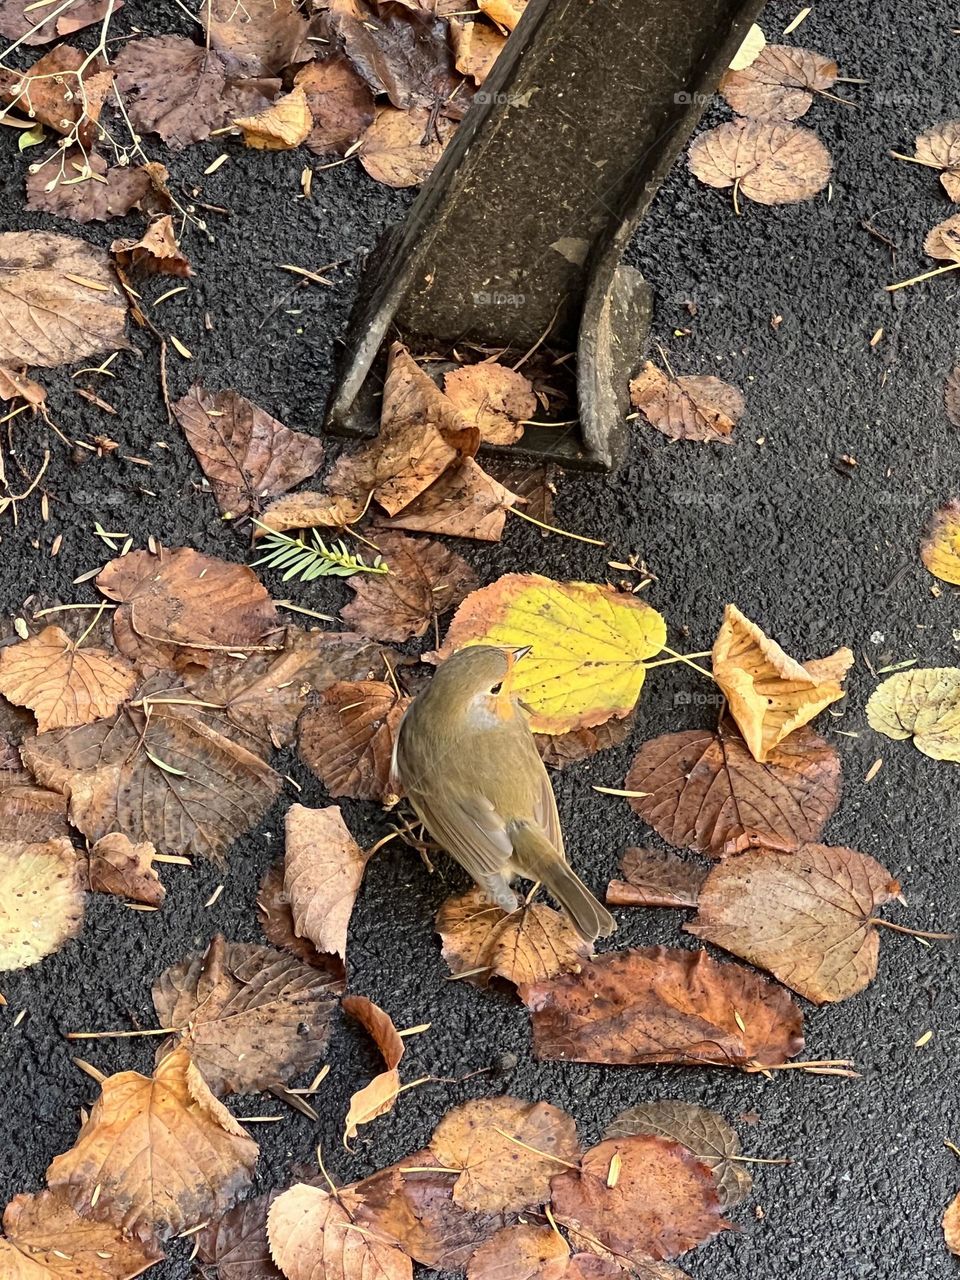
[[559, 750], [140, 1129], [655, 879], [951, 1225], [83, 197], [771, 694], [769, 162], [506, 1149], [705, 791], [704, 1132], [49, 92], [250, 1017], [341, 104], [536, 485], [246, 454], [465, 502], [526, 1252], [347, 738], [943, 240], [283, 126], [663, 1004], [323, 867], [529, 945], [172, 87], [663, 1202], [779, 84], [48, 318], [425, 581], [403, 53], [311, 1235], [41, 899], [940, 548], [17, 17], [939, 147], [125, 869], [477, 48], [498, 399], [255, 38], [155, 253], [31, 813], [378, 1097], [62, 684], [17, 386], [276, 921], [402, 148], [951, 395], [46, 1239], [505, 13], [806, 917], [309, 510], [237, 1244], [687, 408], [84, 14]]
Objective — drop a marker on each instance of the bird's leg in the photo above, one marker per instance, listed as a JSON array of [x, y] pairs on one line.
[[497, 889]]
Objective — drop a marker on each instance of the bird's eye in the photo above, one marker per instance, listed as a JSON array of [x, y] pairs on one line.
[[497, 687]]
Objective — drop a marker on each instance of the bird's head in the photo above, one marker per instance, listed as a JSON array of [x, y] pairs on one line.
[[479, 669]]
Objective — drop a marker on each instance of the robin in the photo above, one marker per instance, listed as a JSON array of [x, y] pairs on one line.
[[467, 760]]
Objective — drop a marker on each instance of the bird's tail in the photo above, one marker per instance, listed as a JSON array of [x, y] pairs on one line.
[[536, 859]]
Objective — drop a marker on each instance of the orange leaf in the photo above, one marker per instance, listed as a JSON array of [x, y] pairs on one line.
[[62, 684], [378, 1097]]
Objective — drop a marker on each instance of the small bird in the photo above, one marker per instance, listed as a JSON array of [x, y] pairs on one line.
[[467, 760]]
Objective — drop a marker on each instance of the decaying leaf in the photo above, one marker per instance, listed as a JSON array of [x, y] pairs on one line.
[[559, 750], [312, 1235], [711, 1139], [378, 1097], [655, 879], [923, 703], [61, 300], [341, 104], [687, 408], [402, 52], [943, 240], [29, 812], [347, 736], [703, 790], [663, 1201], [951, 395], [482, 942], [477, 48], [246, 454], [526, 1252], [588, 641], [663, 1004], [62, 684], [155, 253], [276, 921], [41, 900], [779, 84], [402, 148], [45, 1238], [17, 386], [18, 18], [939, 147], [536, 485], [255, 37], [49, 92], [951, 1225], [806, 917], [309, 510], [505, 13], [284, 125], [237, 1243], [88, 190], [141, 1130], [323, 867], [771, 694], [172, 87], [250, 1017], [506, 1149], [940, 549], [426, 580], [498, 399], [126, 870], [768, 162], [465, 502]]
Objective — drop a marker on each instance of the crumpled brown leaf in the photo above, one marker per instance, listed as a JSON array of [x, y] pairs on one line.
[[939, 147], [323, 867], [505, 13], [311, 1236], [425, 581], [155, 253], [477, 48], [41, 899], [687, 408], [255, 37], [806, 917], [663, 1004], [526, 1252], [943, 240], [86, 198], [17, 386], [402, 148], [126, 870], [560, 749], [17, 17], [308, 510], [237, 1244], [45, 1238], [140, 1129], [377, 1097], [250, 1017], [281, 127], [246, 454], [49, 92], [923, 703], [951, 1225], [779, 84], [403, 53], [705, 791], [347, 736], [465, 502], [62, 684], [655, 879], [341, 104], [768, 162], [498, 399], [276, 921], [172, 87], [29, 812]]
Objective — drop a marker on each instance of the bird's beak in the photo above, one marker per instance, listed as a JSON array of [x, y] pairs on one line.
[[521, 652]]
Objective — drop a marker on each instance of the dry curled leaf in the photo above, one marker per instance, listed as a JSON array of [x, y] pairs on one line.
[[703, 790], [559, 750], [323, 867], [401, 52], [41, 899], [45, 1238], [498, 399], [255, 37], [779, 84], [768, 162], [237, 1243], [377, 1097], [250, 1017], [940, 549], [402, 148], [951, 395], [28, 812], [943, 240], [806, 917], [666, 1005], [505, 13], [477, 47], [465, 502], [951, 1225], [276, 921], [309, 510], [506, 1151], [655, 879], [687, 408], [49, 92], [284, 125], [426, 580], [61, 683], [923, 704], [17, 386], [341, 104], [155, 253], [19, 17], [939, 147], [347, 735], [481, 941], [526, 1252], [771, 694], [88, 191], [126, 870], [312, 1235], [172, 87]]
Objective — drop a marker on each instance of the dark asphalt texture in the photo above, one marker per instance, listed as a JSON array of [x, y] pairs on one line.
[[806, 547]]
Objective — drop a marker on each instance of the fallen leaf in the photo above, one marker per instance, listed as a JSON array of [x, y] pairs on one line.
[[703, 790], [255, 37], [923, 703], [951, 395], [753, 42], [323, 867], [31, 813], [505, 13], [482, 941], [687, 408], [284, 125], [477, 48], [806, 917], [403, 53], [664, 1200], [506, 1151], [48, 318], [768, 162], [155, 253], [655, 879], [402, 148], [45, 1238], [237, 1244], [939, 147], [779, 84], [172, 87], [276, 921], [526, 1252], [378, 1097], [498, 399], [426, 580], [588, 643], [63, 684], [41, 899], [125, 869], [17, 386], [87, 190], [943, 240], [312, 1235], [18, 18], [771, 694], [309, 510], [347, 736], [706, 1134], [951, 1225], [465, 502], [940, 549], [666, 1005], [559, 750], [246, 454], [85, 14], [341, 104], [49, 92], [536, 485], [250, 1017], [142, 1128]]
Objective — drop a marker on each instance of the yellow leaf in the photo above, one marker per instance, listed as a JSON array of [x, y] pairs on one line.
[[588, 646], [940, 550], [771, 694], [283, 126], [924, 703], [41, 900]]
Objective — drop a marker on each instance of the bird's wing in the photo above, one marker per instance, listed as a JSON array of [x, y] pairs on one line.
[[471, 830], [545, 810]]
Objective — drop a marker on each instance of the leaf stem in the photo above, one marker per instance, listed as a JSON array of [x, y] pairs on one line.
[[927, 275], [552, 528], [913, 933]]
